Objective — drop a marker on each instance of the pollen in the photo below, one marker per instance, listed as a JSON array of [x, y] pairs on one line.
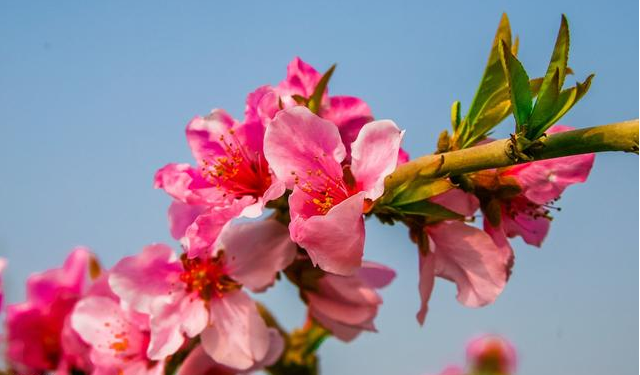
[[206, 278], [236, 169]]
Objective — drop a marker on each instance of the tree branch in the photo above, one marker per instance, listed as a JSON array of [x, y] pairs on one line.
[[621, 136]]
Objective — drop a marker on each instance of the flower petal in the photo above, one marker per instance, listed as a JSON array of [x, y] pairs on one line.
[[203, 232], [458, 201], [186, 184], [376, 275], [43, 288], [298, 143], [147, 278], [468, 256], [427, 277], [374, 155], [203, 134], [302, 79], [543, 181], [349, 114], [101, 323], [255, 252], [181, 216], [238, 336], [335, 241]]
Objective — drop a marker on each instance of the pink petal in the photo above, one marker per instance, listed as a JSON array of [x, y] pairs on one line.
[[403, 157], [146, 279], [343, 332], [186, 184], [43, 288], [349, 114], [254, 108], [203, 134], [166, 330], [255, 252], [426, 267], [237, 337], [532, 229], [200, 363], [501, 241], [181, 216], [106, 327], [375, 274], [468, 256], [302, 79], [335, 241], [458, 201], [374, 155], [203, 232], [299, 143], [544, 180]]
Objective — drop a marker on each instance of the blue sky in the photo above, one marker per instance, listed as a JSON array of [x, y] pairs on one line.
[[94, 98]]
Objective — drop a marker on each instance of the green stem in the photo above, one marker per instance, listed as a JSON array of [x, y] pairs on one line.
[[621, 136]]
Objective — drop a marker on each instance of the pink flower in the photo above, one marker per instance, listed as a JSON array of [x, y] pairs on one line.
[[516, 200], [117, 337], [232, 179], [491, 354], [3, 264], [327, 203], [462, 254], [204, 295], [348, 113], [200, 363], [38, 334], [347, 305]]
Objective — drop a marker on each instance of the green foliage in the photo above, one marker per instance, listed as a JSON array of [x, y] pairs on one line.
[[505, 88], [315, 100], [552, 102]]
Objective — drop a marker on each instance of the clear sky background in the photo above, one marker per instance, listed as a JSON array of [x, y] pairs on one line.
[[94, 98]]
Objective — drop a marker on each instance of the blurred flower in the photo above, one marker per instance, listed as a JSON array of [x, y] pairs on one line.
[[204, 295], [347, 305], [491, 354], [39, 337], [3, 264], [118, 337], [328, 201]]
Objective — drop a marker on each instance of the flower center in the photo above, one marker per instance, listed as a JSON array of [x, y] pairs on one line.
[[323, 191], [237, 170], [208, 277]]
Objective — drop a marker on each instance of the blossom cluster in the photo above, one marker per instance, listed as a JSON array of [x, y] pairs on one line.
[[312, 167]]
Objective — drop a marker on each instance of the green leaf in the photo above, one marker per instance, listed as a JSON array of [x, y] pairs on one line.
[[559, 58], [419, 189], [433, 211], [455, 115], [520, 91], [301, 100], [493, 77], [315, 100], [546, 103], [498, 108], [566, 100]]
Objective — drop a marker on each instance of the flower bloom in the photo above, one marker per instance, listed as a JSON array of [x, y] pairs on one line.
[[118, 337], [328, 198], [204, 295], [39, 337], [516, 200], [462, 254], [491, 354], [232, 179], [347, 305]]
